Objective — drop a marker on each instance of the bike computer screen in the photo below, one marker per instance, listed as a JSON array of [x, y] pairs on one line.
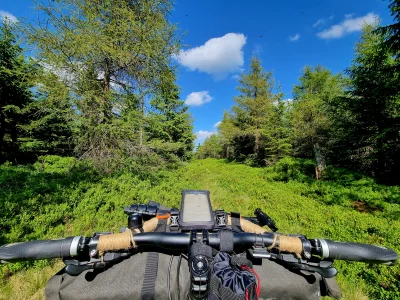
[[196, 211]]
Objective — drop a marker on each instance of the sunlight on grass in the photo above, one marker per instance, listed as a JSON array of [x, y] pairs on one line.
[[29, 284]]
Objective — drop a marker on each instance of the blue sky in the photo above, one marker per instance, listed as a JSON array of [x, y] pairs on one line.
[[222, 35]]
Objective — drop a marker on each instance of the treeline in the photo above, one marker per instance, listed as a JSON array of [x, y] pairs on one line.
[[350, 119], [99, 84]]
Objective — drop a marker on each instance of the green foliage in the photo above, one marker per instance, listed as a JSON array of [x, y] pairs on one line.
[[310, 119], [391, 32], [170, 123], [289, 168], [368, 119], [51, 125], [340, 186], [59, 197], [212, 147], [15, 83], [108, 84], [254, 131]]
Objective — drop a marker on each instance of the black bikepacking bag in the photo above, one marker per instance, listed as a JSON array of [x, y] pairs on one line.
[[128, 280]]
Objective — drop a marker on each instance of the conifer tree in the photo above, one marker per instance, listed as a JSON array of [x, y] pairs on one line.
[[370, 110], [257, 135], [310, 118], [15, 94]]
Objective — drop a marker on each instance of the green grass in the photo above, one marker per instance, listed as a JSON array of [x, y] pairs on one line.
[[67, 198]]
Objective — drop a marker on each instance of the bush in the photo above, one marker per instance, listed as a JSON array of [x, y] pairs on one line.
[[289, 168]]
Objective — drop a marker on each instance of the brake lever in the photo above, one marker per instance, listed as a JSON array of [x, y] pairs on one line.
[[314, 264], [324, 272], [75, 267]]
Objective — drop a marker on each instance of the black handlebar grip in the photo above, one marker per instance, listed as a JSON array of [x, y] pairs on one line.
[[39, 249], [358, 252]]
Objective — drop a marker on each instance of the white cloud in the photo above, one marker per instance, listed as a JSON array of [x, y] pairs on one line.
[[7, 15], [288, 100], [322, 21], [347, 26], [201, 135], [218, 57], [198, 98], [217, 124], [319, 22], [294, 38], [236, 76], [64, 74]]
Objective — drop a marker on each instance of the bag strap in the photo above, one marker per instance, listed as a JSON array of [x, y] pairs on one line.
[[150, 276], [150, 273], [329, 287], [235, 219]]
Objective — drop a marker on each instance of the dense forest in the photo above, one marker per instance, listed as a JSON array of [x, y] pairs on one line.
[[95, 90], [101, 85], [91, 120], [350, 119]]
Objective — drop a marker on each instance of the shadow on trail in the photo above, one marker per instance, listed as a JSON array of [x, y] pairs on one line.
[[25, 191]]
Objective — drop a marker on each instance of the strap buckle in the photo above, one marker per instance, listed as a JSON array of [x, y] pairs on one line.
[[174, 218], [220, 218]]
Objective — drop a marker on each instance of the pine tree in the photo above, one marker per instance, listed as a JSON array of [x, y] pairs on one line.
[[210, 148], [255, 117], [170, 124], [227, 131], [371, 111], [50, 116], [15, 95], [391, 32], [110, 56], [280, 143], [310, 118]]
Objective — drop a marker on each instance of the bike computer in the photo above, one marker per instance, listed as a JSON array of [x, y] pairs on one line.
[[196, 211]]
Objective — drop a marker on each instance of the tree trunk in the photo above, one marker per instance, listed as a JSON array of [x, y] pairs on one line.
[[320, 169], [379, 158], [106, 88], [13, 132], [257, 143], [141, 121], [2, 134]]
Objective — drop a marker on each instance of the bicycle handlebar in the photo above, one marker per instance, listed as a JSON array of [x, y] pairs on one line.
[[358, 252], [39, 250], [180, 242]]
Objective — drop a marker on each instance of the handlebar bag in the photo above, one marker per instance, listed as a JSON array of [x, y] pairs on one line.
[[235, 281], [127, 280]]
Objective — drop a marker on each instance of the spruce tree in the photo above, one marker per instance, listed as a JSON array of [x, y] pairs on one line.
[[370, 110], [211, 147], [256, 119], [50, 118], [227, 131], [310, 118], [391, 32], [170, 124], [15, 94]]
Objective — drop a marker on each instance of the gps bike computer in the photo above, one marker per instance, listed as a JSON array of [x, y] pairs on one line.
[[196, 211]]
